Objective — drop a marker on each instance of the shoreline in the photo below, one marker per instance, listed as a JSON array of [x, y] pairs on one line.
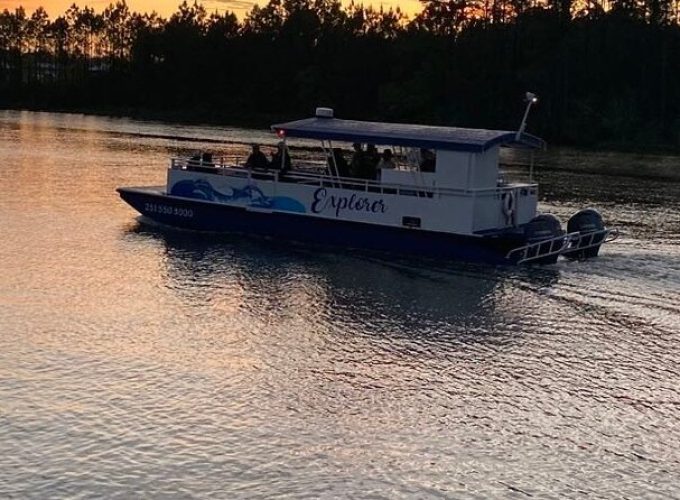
[[263, 122]]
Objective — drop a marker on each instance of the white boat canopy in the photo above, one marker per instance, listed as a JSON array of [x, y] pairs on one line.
[[406, 135]]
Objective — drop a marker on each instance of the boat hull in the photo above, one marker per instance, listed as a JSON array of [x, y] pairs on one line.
[[200, 215]]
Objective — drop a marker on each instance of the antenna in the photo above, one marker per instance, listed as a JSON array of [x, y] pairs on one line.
[[530, 98]]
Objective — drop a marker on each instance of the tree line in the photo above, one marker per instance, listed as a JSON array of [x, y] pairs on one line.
[[607, 71]]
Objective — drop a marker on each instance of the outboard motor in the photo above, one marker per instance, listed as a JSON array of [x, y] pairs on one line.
[[584, 222], [543, 227]]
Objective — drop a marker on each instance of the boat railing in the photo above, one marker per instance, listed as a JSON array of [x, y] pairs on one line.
[[219, 162], [235, 169], [565, 243], [540, 249], [593, 238], [234, 161]]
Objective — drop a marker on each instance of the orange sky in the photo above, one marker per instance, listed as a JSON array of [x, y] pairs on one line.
[[165, 7]]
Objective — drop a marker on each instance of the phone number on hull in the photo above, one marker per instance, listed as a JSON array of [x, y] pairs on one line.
[[168, 210]]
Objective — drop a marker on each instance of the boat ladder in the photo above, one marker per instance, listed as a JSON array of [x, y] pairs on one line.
[[560, 245]]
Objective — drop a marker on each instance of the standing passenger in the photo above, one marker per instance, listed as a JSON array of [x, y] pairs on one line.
[[340, 162], [357, 165], [281, 159], [372, 155], [370, 163], [427, 160]]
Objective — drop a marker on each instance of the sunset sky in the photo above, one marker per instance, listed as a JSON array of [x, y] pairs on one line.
[[166, 7]]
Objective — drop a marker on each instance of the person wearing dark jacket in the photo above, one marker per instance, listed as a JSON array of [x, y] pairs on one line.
[[357, 164], [281, 158], [340, 163], [370, 162], [257, 159], [427, 160]]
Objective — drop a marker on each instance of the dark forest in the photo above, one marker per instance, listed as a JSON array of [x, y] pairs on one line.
[[607, 74]]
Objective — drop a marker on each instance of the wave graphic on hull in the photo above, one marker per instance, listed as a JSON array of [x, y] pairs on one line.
[[202, 190]]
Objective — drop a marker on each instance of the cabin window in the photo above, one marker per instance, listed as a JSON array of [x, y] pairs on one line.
[[410, 221]]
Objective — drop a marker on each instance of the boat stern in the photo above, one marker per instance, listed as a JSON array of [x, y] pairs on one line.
[[546, 240]]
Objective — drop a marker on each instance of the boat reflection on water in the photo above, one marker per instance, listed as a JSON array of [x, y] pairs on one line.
[[337, 293]]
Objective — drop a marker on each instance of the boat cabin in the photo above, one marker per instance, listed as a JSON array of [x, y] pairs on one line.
[[466, 159]]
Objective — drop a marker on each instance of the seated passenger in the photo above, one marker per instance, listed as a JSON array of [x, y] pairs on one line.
[[386, 161], [340, 163], [427, 160], [281, 158], [257, 159], [206, 160]]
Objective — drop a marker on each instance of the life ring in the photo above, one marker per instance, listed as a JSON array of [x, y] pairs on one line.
[[509, 205]]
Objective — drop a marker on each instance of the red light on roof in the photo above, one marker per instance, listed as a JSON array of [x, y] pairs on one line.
[[281, 133]]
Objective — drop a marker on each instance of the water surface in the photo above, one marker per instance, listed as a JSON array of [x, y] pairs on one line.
[[139, 362]]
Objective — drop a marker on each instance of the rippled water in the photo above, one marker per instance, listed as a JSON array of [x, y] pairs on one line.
[[136, 362]]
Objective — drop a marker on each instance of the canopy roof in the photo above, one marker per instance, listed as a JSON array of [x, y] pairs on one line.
[[401, 134]]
